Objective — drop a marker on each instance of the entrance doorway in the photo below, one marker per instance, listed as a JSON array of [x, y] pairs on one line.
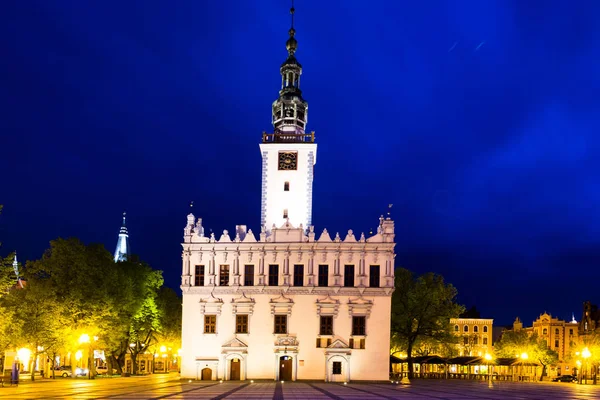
[[206, 374], [234, 370], [285, 368]]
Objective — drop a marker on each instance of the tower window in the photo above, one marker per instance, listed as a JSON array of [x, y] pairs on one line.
[[286, 187], [285, 213]]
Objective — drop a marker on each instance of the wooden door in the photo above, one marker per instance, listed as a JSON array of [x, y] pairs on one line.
[[206, 374], [285, 368], [234, 372]]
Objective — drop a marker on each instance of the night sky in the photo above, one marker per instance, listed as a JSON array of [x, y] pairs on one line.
[[478, 120]]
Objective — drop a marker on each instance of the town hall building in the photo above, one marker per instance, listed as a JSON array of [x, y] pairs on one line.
[[287, 302]]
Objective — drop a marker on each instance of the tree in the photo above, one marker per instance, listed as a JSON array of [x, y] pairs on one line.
[[421, 309], [516, 342]]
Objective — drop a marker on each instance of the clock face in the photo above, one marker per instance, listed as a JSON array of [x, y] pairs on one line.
[[288, 161]]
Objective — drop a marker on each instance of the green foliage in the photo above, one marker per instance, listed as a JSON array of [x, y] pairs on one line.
[[421, 310], [514, 343]]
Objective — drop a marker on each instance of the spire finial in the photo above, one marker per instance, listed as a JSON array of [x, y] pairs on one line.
[[292, 11], [291, 43], [124, 215]]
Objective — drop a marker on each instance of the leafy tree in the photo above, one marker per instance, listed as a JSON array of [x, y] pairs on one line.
[[421, 309], [516, 342]]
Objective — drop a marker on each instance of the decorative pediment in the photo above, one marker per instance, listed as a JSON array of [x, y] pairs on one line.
[[350, 236], [225, 237], [338, 347], [211, 305], [324, 237], [360, 306], [328, 306], [249, 238], [286, 341], [243, 305], [281, 305], [338, 344], [235, 343]]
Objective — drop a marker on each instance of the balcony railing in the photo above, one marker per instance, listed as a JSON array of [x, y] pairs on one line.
[[282, 137]]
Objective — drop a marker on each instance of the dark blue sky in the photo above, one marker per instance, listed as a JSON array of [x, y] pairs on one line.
[[478, 120]]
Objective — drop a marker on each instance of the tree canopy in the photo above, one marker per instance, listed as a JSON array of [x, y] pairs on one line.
[[515, 343], [421, 310]]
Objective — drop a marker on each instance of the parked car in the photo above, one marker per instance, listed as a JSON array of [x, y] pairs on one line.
[[103, 370], [64, 371], [565, 378]]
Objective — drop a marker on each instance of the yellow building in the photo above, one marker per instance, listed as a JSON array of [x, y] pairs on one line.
[[475, 335], [560, 336]]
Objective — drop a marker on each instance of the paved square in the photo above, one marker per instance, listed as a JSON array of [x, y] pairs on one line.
[[171, 387]]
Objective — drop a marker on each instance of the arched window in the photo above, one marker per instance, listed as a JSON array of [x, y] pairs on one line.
[[485, 329], [455, 328], [485, 340], [466, 328], [545, 331], [556, 332], [475, 329]]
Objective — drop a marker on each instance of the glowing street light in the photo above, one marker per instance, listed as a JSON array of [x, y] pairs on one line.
[[488, 358], [585, 353]]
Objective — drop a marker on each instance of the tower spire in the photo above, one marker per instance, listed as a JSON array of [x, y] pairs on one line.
[[122, 250]]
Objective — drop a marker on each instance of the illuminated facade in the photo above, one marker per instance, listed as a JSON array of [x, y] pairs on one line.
[[286, 303], [122, 250], [475, 335]]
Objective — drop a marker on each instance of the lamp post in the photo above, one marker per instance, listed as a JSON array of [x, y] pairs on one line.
[[586, 354], [488, 359], [524, 356]]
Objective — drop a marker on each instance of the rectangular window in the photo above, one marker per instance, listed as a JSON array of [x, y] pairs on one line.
[[273, 275], [326, 325], [570, 331], [299, 275], [248, 275], [475, 340], [224, 275], [281, 324], [362, 344], [323, 275], [466, 340], [199, 276], [374, 276], [337, 368], [241, 324], [348, 275], [285, 213], [556, 344], [358, 326], [286, 187], [351, 343], [484, 340], [210, 324]]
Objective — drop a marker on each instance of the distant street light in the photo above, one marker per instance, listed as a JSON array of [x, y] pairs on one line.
[[586, 354]]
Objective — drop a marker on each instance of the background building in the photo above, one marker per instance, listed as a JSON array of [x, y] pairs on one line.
[[475, 335]]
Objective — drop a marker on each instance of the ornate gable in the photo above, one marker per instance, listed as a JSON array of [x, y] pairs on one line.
[[243, 305], [235, 343], [360, 307], [281, 305], [328, 306], [211, 305]]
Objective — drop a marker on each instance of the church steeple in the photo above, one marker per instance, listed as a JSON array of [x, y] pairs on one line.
[[290, 110], [122, 250]]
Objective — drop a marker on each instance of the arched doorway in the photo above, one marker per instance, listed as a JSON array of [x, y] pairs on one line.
[[206, 374], [234, 369], [285, 368]]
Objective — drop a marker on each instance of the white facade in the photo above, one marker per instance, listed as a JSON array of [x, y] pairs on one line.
[[215, 286], [287, 194]]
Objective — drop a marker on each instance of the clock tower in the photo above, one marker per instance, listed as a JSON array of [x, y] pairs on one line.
[[289, 153]]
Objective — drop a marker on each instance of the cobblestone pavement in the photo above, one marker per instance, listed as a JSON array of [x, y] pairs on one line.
[[170, 387]]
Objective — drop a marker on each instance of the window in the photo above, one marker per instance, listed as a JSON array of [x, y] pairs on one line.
[[351, 343], [337, 368], [241, 324], [484, 340], [281, 324], [358, 326], [545, 331], [224, 275], [556, 332], [556, 343], [455, 328], [298, 275], [570, 331], [323, 275], [285, 213], [485, 329], [475, 340], [374, 276], [466, 340], [249, 275], [286, 187], [466, 328], [475, 329], [326, 325], [348, 275], [361, 344], [273, 275], [199, 276], [210, 324]]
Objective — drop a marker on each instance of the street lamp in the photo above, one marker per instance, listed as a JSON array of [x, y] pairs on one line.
[[586, 354], [524, 356], [488, 358]]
